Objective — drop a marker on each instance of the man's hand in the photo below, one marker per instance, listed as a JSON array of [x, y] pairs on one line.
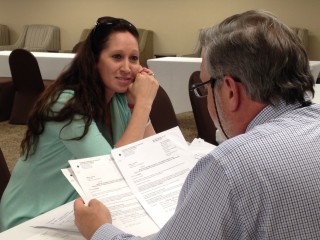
[[89, 219]]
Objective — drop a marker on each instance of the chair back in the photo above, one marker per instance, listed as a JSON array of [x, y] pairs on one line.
[[205, 126], [42, 38], [27, 84], [37, 38], [4, 35], [6, 98], [84, 34], [25, 72], [162, 114], [145, 45], [303, 35], [4, 174]]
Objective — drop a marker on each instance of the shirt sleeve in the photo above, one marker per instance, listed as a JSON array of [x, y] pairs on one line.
[[108, 231], [208, 209], [92, 144]]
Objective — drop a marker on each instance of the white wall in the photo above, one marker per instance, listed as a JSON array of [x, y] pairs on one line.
[[174, 22]]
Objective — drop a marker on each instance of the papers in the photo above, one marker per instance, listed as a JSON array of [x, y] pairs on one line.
[[200, 148], [140, 183], [61, 218], [155, 171], [99, 178]]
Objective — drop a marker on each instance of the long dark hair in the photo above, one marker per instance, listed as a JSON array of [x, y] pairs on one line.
[[83, 78]]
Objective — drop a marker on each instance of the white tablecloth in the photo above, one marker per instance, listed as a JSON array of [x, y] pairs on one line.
[[27, 231], [316, 98], [173, 74], [315, 69], [50, 64]]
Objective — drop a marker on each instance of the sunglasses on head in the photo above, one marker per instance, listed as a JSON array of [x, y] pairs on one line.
[[104, 24], [109, 21]]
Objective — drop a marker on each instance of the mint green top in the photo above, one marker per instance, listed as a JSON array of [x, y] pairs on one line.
[[38, 185]]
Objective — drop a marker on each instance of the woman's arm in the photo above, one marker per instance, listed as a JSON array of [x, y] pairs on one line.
[[92, 144], [149, 130], [141, 93]]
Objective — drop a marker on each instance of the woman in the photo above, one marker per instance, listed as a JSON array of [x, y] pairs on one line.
[[101, 101]]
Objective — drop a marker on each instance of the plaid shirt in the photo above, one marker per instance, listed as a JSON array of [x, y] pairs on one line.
[[264, 184]]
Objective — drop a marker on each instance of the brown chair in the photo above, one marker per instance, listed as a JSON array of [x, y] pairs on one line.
[[205, 126], [6, 97], [27, 84], [4, 174], [162, 114]]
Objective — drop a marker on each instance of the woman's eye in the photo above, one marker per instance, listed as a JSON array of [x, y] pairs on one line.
[[117, 56], [134, 58]]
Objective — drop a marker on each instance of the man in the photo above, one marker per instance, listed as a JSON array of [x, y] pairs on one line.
[[263, 181]]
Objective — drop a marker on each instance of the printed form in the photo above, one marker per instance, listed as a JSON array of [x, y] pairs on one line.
[[155, 169], [99, 178]]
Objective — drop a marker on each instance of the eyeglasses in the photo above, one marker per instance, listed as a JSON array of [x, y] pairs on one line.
[[201, 90], [106, 23]]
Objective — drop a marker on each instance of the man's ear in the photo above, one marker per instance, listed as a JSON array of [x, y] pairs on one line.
[[232, 93]]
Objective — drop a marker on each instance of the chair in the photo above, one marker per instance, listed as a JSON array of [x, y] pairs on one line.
[[303, 35], [37, 38], [145, 44], [84, 34], [4, 35], [205, 126], [6, 97], [4, 174], [27, 84], [162, 114]]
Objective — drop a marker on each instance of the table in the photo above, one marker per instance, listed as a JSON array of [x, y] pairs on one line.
[[316, 98], [173, 74], [26, 231], [315, 69], [50, 64]]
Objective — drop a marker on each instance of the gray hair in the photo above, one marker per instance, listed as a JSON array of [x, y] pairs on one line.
[[265, 54]]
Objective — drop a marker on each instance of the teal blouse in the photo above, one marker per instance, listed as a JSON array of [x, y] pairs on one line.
[[38, 185]]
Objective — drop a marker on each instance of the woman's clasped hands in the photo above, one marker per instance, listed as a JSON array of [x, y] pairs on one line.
[[144, 89]]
